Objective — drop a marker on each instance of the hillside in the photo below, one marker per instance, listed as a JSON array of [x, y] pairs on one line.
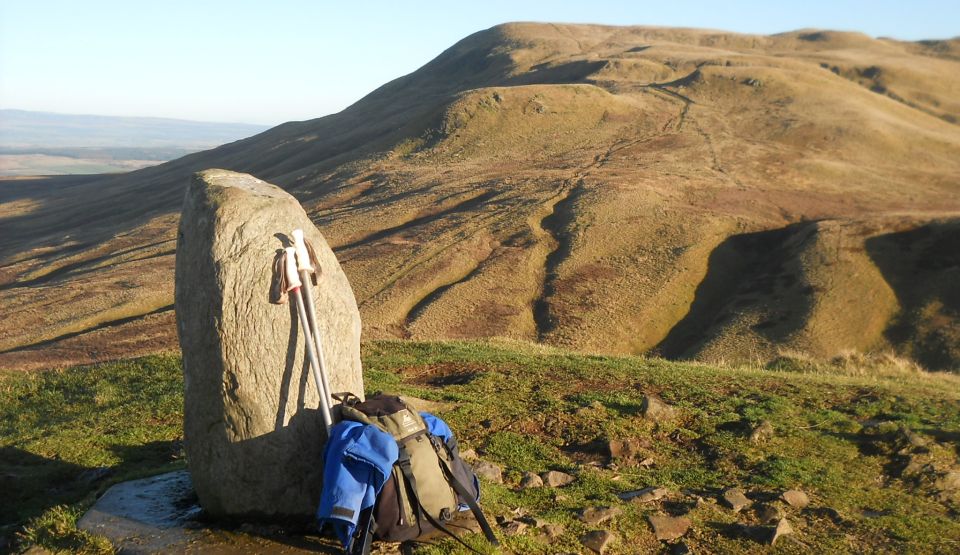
[[696, 194], [873, 453]]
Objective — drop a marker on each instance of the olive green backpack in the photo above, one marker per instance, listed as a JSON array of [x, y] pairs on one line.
[[429, 482]]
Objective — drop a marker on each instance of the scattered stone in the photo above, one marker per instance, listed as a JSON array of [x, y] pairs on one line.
[[768, 513], [795, 498], [950, 481], [626, 450], [762, 432], [489, 471], [735, 499], [553, 531], [915, 465], [911, 440], [597, 515], [667, 528], [513, 527], [828, 512], [532, 521], [598, 540], [782, 528], [469, 455], [647, 462], [653, 408], [753, 82], [530, 480], [701, 502], [556, 479], [679, 548], [645, 495], [243, 357]]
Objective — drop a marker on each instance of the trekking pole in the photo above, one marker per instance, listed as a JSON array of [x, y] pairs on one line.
[[293, 286], [305, 267]]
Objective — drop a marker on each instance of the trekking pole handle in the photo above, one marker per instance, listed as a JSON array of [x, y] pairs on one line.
[[303, 257], [290, 269]]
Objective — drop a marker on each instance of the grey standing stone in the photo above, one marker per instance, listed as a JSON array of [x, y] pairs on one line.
[[252, 434]]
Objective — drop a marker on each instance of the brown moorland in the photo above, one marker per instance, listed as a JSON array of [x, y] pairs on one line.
[[688, 193]]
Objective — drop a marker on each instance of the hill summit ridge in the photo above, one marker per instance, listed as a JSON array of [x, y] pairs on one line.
[[689, 193]]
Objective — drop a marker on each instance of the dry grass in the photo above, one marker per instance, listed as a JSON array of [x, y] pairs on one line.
[[696, 194]]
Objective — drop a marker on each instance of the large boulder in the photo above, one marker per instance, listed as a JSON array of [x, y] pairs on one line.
[[252, 431]]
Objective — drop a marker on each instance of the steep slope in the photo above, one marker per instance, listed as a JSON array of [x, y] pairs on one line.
[[610, 189]]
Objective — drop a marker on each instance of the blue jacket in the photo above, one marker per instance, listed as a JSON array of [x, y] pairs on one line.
[[358, 460]]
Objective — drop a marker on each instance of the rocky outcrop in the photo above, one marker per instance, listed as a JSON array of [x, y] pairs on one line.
[[252, 432]]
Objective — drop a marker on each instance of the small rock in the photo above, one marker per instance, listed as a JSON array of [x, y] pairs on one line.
[[679, 548], [597, 515], [513, 527], [556, 479], [530, 480], [598, 540], [645, 495], [735, 499], [915, 465], [950, 481], [768, 513], [795, 498], [832, 514], [655, 409], [667, 528], [782, 529], [647, 462], [553, 531], [625, 449], [911, 440], [533, 521], [468, 455], [488, 470], [762, 432]]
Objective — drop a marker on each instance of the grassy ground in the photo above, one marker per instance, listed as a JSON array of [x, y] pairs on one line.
[[67, 435]]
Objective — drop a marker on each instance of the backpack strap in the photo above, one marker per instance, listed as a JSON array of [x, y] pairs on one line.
[[363, 537], [403, 462], [465, 494]]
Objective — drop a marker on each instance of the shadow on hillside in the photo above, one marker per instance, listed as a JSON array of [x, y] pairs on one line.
[[922, 266], [746, 273]]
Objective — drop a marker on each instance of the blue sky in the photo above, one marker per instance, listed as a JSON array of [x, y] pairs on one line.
[[274, 61]]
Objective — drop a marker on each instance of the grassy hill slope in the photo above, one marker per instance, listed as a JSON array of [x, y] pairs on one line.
[[697, 194], [870, 442]]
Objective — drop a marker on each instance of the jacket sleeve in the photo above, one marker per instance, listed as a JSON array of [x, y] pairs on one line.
[[358, 459]]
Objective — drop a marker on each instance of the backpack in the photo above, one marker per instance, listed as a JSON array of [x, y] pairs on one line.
[[428, 484]]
